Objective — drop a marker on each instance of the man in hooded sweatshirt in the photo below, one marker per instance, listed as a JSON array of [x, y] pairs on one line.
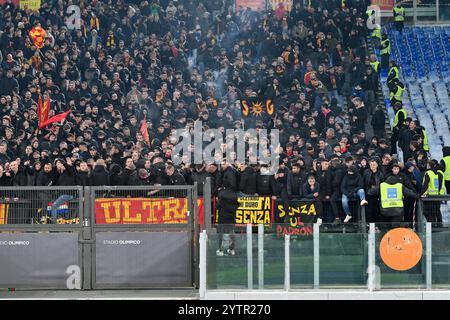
[[352, 185]]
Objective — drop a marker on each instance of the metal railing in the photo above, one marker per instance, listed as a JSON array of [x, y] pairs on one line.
[[41, 205], [98, 237]]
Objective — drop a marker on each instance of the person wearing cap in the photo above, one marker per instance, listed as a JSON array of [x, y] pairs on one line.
[[352, 186]]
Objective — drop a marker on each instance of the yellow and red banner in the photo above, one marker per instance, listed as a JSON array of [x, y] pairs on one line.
[[254, 210], [43, 110], [4, 213], [252, 4], [30, 4], [384, 4], [275, 4], [145, 211]]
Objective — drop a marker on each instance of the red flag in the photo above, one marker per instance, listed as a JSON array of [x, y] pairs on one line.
[[143, 129], [57, 118], [43, 110]]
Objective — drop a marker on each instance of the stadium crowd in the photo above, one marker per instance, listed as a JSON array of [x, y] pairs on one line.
[[170, 63]]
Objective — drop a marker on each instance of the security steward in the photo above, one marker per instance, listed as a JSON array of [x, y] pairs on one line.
[[445, 165], [396, 89], [375, 63], [392, 193], [399, 122], [433, 185], [399, 16], [385, 51], [376, 36], [393, 72]]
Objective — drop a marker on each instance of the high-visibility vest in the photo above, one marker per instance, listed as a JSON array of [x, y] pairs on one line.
[[433, 185], [425, 141], [398, 95], [391, 195], [386, 50], [394, 71], [396, 116], [376, 33], [400, 14], [375, 65], [447, 169]]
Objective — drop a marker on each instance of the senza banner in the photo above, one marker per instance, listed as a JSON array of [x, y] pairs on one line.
[[254, 210], [300, 214], [144, 211]]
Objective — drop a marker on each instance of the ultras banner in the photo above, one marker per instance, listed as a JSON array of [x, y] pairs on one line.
[[144, 211]]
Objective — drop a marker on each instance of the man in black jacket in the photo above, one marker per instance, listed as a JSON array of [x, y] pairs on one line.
[[99, 176], [372, 178], [227, 204], [337, 172], [247, 181], [199, 175], [265, 185], [45, 176], [216, 177], [229, 179], [65, 173], [82, 177], [295, 180], [324, 179], [175, 178], [352, 186]]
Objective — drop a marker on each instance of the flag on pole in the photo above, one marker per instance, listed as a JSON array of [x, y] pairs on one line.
[[37, 34], [144, 130], [43, 110], [57, 118]]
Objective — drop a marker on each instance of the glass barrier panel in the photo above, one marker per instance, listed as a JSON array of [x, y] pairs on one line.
[[302, 257], [400, 256], [228, 269], [274, 259], [440, 248], [301, 254], [343, 256], [427, 11], [444, 11]]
